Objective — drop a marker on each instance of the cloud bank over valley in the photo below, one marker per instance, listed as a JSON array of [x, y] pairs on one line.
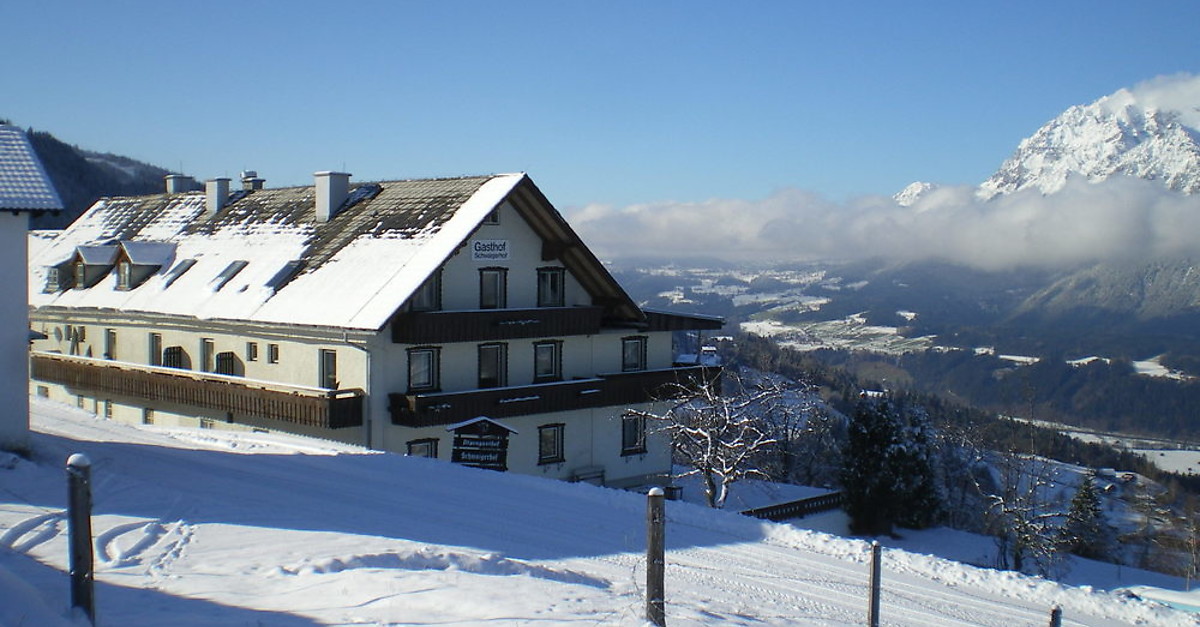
[[1118, 219]]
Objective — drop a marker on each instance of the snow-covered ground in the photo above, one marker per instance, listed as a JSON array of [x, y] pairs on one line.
[[217, 528]]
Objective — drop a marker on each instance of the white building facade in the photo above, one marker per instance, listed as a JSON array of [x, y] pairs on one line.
[[453, 318]]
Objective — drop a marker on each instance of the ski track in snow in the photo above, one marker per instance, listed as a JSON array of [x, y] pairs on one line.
[[40, 529]]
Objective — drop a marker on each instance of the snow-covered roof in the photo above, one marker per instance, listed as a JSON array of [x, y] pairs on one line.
[[264, 257], [359, 268], [24, 185]]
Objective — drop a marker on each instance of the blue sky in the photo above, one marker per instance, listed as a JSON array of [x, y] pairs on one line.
[[612, 103]]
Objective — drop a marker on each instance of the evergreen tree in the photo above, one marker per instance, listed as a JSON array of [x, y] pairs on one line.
[[1086, 533], [887, 473]]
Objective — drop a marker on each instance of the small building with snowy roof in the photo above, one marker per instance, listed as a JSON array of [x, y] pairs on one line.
[[389, 314], [24, 189]]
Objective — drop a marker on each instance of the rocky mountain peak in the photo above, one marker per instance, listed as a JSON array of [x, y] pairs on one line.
[[1151, 131]]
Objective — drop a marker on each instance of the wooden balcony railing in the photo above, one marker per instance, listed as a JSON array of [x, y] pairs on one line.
[[313, 407], [444, 408], [438, 327]]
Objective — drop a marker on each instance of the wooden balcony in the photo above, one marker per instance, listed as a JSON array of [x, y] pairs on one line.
[[444, 408], [312, 407], [440, 327]]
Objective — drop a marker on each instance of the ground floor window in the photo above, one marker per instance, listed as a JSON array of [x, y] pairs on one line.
[[633, 434], [550, 444], [147, 416], [425, 447]]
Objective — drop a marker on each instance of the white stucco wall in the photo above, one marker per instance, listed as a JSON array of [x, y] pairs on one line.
[[14, 333]]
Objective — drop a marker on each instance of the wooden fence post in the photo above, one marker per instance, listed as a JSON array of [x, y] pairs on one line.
[[873, 609], [79, 531], [655, 562]]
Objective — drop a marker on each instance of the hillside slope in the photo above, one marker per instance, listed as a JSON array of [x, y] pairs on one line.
[[208, 528]]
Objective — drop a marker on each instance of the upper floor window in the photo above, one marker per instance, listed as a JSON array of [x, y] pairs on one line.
[[428, 297], [547, 361], [110, 343], [328, 366], [251, 351], [493, 365], [493, 217], [550, 292], [207, 355], [228, 363], [175, 357], [154, 349], [272, 353], [80, 274], [493, 288], [633, 353], [550, 444], [423, 369]]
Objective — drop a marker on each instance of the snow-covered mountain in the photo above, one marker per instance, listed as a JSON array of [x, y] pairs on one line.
[[1151, 131], [908, 196]]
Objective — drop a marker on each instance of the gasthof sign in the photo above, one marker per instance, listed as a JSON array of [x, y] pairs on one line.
[[489, 250]]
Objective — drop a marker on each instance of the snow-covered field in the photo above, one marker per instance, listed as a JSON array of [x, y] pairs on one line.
[[216, 528]]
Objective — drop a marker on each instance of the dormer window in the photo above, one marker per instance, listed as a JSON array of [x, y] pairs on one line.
[[80, 274], [124, 275], [53, 284]]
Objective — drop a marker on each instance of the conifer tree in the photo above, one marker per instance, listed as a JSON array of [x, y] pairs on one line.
[[887, 473], [1086, 533]]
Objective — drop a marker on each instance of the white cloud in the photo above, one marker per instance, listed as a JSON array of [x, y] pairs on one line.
[[1120, 218]]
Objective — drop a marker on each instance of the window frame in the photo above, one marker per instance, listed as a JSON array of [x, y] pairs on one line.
[[555, 453], [500, 364], [432, 356], [208, 354], [552, 286], [272, 353], [124, 275], [555, 347], [639, 343], [175, 357], [251, 351], [225, 362], [499, 284], [327, 369], [154, 349], [637, 444]]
